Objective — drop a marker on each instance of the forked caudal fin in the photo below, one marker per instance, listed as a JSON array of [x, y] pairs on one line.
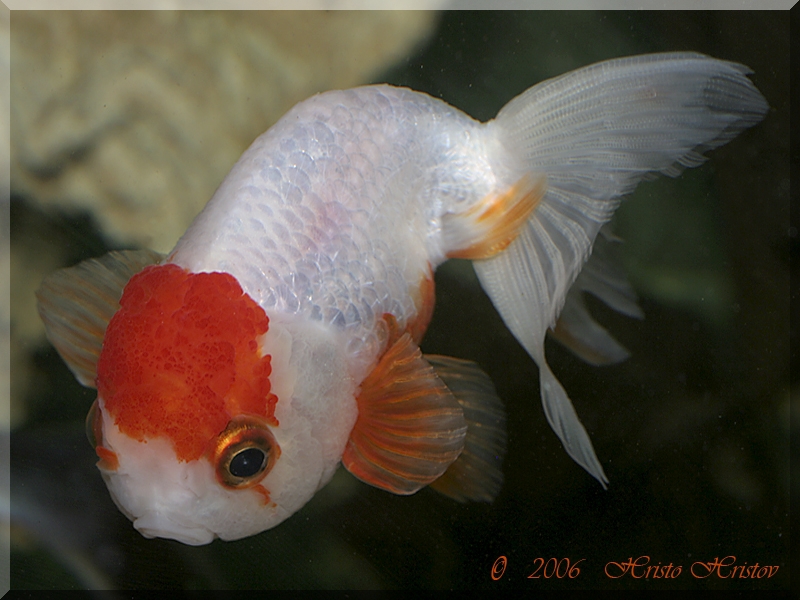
[[594, 134]]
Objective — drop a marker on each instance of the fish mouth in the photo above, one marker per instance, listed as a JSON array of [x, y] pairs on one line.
[[154, 524]]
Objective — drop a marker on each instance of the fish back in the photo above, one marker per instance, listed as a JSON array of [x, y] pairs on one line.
[[334, 213]]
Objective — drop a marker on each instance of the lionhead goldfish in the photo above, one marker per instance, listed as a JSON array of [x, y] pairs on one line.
[[280, 336]]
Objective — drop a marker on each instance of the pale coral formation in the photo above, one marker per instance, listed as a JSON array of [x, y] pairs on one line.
[[138, 116]]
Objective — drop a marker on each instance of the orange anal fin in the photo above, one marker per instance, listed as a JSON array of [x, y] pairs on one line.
[[409, 429], [492, 224], [477, 472]]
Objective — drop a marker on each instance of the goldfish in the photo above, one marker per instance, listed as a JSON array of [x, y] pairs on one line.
[[280, 337]]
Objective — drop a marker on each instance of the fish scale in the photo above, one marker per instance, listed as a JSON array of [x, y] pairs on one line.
[[335, 189]]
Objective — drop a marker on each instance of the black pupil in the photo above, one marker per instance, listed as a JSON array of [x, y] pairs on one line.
[[247, 463]]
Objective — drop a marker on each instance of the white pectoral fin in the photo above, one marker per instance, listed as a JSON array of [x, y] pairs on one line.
[[594, 134], [77, 303]]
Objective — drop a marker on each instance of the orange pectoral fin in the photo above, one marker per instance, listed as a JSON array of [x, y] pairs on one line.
[[410, 428], [493, 223], [476, 474]]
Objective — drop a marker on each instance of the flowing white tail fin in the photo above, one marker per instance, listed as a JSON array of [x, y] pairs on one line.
[[594, 134]]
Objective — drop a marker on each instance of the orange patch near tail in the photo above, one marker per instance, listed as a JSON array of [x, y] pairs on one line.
[[180, 358], [492, 224]]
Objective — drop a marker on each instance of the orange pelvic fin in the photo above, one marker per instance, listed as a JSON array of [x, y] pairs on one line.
[[410, 428], [492, 224]]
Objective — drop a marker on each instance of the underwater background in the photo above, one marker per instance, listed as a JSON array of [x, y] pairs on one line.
[[692, 430]]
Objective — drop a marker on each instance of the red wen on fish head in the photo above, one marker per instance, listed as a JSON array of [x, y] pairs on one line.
[[211, 420], [181, 361]]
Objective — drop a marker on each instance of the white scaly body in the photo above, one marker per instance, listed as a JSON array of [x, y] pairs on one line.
[[334, 215], [330, 220], [337, 215]]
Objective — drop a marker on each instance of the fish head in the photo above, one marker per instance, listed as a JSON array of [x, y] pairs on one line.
[[198, 435]]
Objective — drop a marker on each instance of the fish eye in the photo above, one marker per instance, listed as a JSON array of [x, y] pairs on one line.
[[244, 453], [247, 462]]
